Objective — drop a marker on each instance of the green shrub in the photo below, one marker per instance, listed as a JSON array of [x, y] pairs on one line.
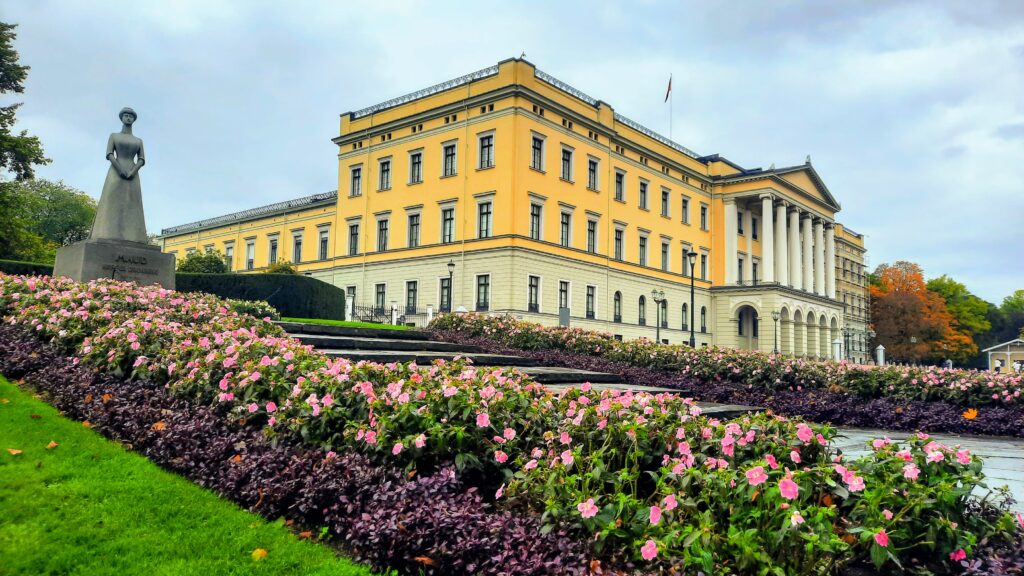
[[26, 268], [203, 262], [257, 308], [291, 295], [281, 267]]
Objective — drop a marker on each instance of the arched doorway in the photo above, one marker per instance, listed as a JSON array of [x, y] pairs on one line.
[[799, 334], [747, 328], [785, 332], [813, 348]]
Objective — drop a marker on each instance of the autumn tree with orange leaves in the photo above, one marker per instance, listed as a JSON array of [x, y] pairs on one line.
[[913, 322]]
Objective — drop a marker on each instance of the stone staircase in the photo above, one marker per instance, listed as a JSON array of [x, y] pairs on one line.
[[383, 345]]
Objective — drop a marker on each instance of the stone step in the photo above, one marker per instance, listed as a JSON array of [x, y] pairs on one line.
[[427, 356], [325, 330], [557, 375], [382, 343]]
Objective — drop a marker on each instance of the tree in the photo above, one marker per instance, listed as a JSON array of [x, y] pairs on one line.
[[281, 267], [968, 310], [18, 152], [203, 262], [912, 322], [39, 216], [1014, 303]]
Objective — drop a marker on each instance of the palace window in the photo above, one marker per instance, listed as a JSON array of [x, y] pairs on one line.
[[250, 255], [618, 243], [356, 186], [739, 270], [272, 251], [447, 225], [642, 308], [703, 217], [592, 168], [414, 230], [566, 229], [664, 256], [592, 236], [483, 292], [445, 303], [484, 220], [686, 317], [229, 256], [537, 153], [563, 294], [384, 178], [665, 195], [382, 235], [686, 210], [449, 167], [325, 243], [643, 194], [703, 319], [567, 164], [415, 167], [536, 210], [739, 222], [412, 289], [753, 272], [380, 297], [617, 307], [353, 239], [533, 294], [487, 151], [753, 227], [643, 251], [620, 186], [703, 266], [591, 298], [297, 248]]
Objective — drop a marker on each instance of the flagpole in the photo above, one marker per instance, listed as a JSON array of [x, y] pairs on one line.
[[671, 101]]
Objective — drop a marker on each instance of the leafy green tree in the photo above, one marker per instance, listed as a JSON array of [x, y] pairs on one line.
[[17, 241], [39, 216], [281, 267], [969, 311], [1014, 303], [19, 152], [203, 262]]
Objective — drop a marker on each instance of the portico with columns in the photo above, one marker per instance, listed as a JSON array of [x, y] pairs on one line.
[[779, 256]]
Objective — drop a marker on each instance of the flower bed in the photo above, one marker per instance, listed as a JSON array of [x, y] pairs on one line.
[[966, 388], [641, 478]]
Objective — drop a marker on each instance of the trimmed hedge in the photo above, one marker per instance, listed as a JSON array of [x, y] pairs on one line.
[[18, 267], [292, 295]]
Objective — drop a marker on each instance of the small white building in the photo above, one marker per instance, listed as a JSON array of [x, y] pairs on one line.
[[1001, 357]]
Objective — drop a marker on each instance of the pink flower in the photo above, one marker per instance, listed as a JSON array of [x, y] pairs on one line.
[[963, 456], [756, 475], [564, 438], [649, 551], [904, 455], [450, 391], [253, 407], [370, 437], [509, 433], [796, 519], [936, 456], [567, 458], [397, 448], [421, 441], [501, 457], [271, 407], [587, 509], [856, 484], [804, 432], [788, 488], [911, 471], [772, 463], [255, 376], [530, 465], [500, 492], [483, 420], [958, 555], [881, 538], [887, 514], [655, 515], [794, 456], [670, 502]]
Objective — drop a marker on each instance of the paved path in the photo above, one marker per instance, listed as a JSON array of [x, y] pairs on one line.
[[1004, 457]]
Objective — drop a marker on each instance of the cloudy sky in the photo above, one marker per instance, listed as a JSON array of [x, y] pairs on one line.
[[913, 112]]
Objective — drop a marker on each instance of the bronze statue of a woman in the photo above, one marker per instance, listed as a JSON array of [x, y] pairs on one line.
[[119, 214]]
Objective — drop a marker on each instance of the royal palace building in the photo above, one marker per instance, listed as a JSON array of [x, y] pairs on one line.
[[509, 191]]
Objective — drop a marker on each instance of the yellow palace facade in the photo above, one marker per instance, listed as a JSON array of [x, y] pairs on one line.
[[509, 191]]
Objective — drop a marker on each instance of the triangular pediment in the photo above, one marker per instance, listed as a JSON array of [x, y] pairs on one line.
[[806, 178]]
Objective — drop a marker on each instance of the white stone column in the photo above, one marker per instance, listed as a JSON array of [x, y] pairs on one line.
[[748, 231], [808, 253], [781, 249], [796, 274], [830, 261], [819, 257], [767, 239], [730, 241]]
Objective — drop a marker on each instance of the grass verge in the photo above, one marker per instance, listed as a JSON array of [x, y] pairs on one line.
[[87, 506], [347, 323]]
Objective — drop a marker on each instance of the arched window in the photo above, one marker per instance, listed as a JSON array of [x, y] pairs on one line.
[[686, 316], [643, 312], [618, 307], [703, 318], [663, 305]]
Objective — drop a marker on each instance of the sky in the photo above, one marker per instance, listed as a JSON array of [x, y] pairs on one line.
[[912, 112]]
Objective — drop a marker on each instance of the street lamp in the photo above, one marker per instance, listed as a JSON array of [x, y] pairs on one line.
[[658, 296], [451, 285], [847, 335], [691, 256], [775, 317]]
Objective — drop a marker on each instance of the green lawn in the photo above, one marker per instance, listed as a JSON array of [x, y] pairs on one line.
[[87, 506], [345, 323]]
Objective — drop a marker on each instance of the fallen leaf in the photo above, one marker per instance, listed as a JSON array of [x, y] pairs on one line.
[[305, 535], [87, 424], [88, 398], [106, 397], [411, 474], [14, 451], [259, 554], [756, 494], [970, 414], [52, 445], [425, 560], [34, 416], [236, 458], [158, 426]]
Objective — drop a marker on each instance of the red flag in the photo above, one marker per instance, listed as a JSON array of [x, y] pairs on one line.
[[669, 91]]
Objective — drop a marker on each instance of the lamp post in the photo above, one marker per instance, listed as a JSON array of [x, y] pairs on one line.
[[658, 296], [451, 285], [847, 335], [775, 317], [691, 256]]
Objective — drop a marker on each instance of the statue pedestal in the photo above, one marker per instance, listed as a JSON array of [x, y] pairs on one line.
[[118, 259]]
